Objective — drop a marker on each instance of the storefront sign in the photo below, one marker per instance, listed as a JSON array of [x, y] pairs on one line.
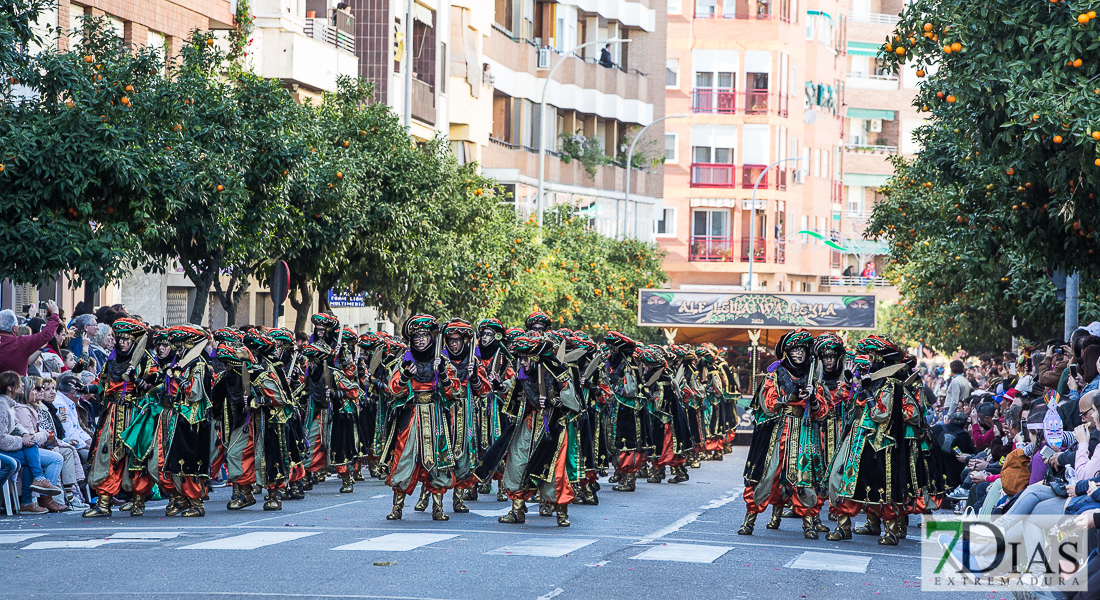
[[753, 310]]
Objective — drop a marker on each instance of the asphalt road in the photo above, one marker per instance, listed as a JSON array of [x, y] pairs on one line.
[[662, 541]]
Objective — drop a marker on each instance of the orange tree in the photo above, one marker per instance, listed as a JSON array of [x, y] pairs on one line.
[[1004, 188], [80, 182]]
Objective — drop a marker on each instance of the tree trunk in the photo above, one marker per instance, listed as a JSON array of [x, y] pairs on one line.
[[202, 293], [302, 304], [322, 300]]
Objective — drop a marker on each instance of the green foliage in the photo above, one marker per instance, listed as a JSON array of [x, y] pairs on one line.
[[648, 154], [80, 180], [585, 149], [240, 34], [17, 18], [994, 200]]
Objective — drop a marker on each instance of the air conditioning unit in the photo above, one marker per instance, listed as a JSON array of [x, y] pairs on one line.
[[799, 176], [875, 126], [543, 58]]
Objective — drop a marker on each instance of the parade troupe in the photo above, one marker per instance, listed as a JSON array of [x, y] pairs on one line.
[[543, 412]]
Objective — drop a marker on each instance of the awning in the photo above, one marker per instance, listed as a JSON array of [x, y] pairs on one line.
[[866, 179], [870, 113], [863, 49], [820, 12]]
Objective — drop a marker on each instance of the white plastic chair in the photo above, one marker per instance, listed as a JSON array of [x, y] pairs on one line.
[[993, 495], [11, 497]]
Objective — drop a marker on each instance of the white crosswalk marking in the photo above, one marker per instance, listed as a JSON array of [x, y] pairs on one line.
[[545, 547], [15, 538], [397, 542], [70, 544], [251, 541], [146, 535], [694, 553], [492, 513], [819, 561]]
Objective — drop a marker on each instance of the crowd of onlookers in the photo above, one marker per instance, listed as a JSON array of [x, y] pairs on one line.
[[49, 369], [988, 421]]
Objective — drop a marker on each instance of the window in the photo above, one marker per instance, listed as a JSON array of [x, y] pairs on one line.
[[675, 7], [665, 225], [672, 73], [710, 223], [670, 148], [706, 154], [811, 22], [855, 201], [176, 307], [817, 162], [704, 9]]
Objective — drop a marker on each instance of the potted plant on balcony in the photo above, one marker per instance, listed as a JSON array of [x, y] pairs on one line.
[[585, 149], [881, 144]]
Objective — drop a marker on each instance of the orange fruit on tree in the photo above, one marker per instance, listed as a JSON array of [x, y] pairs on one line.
[[1092, 14], [210, 42], [1057, 139], [928, 27], [900, 51], [339, 175], [1083, 19], [940, 95], [220, 187], [956, 47], [950, 99], [1096, 162], [1035, 117], [88, 59], [947, 49], [920, 72], [1077, 63], [1096, 135], [1010, 171]]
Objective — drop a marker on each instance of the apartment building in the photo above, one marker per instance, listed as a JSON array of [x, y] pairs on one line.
[[881, 120], [593, 110], [759, 82]]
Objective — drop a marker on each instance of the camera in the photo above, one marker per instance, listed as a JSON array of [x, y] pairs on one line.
[[42, 306], [1059, 351]]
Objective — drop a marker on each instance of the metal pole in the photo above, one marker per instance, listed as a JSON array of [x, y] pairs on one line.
[[1073, 286], [408, 66], [629, 168], [542, 119], [752, 218]]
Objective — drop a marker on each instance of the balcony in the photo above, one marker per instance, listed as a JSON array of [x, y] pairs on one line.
[[749, 173], [759, 249], [713, 175], [711, 248], [313, 58], [836, 191], [341, 37], [828, 281], [871, 149], [423, 102], [756, 102], [868, 81], [712, 101], [877, 18]]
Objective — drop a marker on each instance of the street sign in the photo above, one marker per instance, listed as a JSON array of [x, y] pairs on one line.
[[338, 300]]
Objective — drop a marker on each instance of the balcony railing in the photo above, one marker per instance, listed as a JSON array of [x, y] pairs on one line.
[[876, 77], [712, 248], [708, 100], [873, 18], [756, 102], [423, 102], [836, 189], [713, 175], [780, 252], [323, 30], [749, 173], [759, 249], [871, 149], [856, 281], [758, 16]]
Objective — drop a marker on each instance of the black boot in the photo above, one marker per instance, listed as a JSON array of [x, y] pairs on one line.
[[843, 529], [273, 501], [422, 504], [679, 475], [808, 528], [656, 475], [871, 527], [750, 523]]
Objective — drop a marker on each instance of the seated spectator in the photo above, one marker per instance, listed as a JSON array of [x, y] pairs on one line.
[[16, 350], [28, 413], [69, 406], [983, 425], [1087, 379], [954, 443], [41, 468]]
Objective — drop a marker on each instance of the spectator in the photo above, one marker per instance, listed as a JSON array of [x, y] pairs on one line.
[[605, 57], [850, 271], [41, 469], [67, 400], [954, 443], [984, 428], [85, 327], [26, 415], [16, 350], [959, 387], [102, 343], [1086, 379]]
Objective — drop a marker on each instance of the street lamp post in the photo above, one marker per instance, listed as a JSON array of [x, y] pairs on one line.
[[629, 168], [542, 116], [752, 217]]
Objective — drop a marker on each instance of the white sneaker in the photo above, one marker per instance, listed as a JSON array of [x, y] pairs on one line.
[[75, 502]]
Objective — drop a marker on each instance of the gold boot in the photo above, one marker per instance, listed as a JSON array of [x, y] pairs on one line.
[[422, 503], [843, 529], [273, 501], [101, 508], [398, 506], [349, 484], [808, 529], [546, 509], [901, 527], [457, 505], [175, 505], [126, 506], [749, 524], [139, 506], [777, 517], [437, 508], [195, 508], [242, 497], [819, 526], [627, 483], [871, 527], [563, 515], [518, 514]]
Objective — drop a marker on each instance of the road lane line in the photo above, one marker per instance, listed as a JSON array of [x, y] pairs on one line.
[[288, 515]]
